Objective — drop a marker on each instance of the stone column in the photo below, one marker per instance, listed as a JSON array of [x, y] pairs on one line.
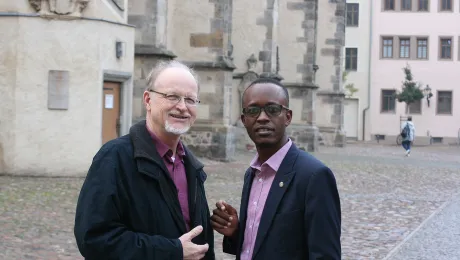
[[209, 53], [331, 40], [304, 132], [297, 41], [151, 20], [268, 55]]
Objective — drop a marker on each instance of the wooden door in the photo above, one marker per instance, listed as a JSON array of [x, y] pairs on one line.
[[110, 111]]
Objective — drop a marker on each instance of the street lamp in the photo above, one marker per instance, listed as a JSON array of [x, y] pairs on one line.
[[428, 94]]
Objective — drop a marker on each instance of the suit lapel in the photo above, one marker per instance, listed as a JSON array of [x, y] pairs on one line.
[[280, 185], [244, 207]]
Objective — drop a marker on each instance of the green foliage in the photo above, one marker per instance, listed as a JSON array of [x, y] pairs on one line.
[[350, 87], [411, 90]]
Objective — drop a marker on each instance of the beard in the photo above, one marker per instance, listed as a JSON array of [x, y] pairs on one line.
[[175, 130]]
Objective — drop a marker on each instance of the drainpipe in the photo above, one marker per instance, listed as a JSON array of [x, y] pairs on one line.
[[369, 69]]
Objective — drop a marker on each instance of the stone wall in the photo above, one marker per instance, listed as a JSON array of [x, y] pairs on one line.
[[287, 53], [229, 43], [151, 21], [331, 97]]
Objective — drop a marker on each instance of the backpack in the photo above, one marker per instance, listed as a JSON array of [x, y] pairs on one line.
[[405, 132]]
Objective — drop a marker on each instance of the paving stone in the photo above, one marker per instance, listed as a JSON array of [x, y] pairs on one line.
[[384, 196]]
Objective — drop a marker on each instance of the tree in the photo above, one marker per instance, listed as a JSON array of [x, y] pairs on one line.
[[350, 87], [411, 90]]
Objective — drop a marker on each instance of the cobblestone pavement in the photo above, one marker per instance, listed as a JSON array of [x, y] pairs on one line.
[[437, 238], [385, 196]]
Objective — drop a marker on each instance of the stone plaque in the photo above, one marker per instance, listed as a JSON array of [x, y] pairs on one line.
[[58, 89]]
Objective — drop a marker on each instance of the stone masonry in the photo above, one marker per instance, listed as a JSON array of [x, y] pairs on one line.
[[331, 94], [281, 40], [302, 91], [214, 136], [150, 19], [268, 20], [309, 7]]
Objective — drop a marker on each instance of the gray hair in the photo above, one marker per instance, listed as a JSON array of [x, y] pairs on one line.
[[163, 65]]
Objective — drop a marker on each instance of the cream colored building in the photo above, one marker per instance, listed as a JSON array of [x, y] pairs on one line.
[[357, 58], [73, 72], [56, 59]]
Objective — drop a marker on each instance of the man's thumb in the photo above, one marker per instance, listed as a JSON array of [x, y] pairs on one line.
[[195, 232]]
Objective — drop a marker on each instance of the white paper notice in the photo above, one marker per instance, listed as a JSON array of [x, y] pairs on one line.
[[109, 101]]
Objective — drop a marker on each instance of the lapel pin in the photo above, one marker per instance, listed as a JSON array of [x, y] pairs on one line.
[[281, 184]]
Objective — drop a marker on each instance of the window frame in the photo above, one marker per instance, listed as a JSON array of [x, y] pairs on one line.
[[353, 59], [441, 5], [407, 46], [354, 13], [417, 39], [393, 111], [419, 107], [386, 4], [427, 6], [451, 102], [382, 52], [440, 46], [402, 5]]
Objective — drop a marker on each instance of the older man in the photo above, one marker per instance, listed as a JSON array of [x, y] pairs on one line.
[[144, 197]]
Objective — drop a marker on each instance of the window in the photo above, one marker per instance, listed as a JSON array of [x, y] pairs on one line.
[[423, 5], [422, 48], [446, 48], [351, 58], [387, 51], [388, 101], [446, 5], [444, 105], [415, 108], [406, 5], [352, 14], [389, 5], [404, 47]]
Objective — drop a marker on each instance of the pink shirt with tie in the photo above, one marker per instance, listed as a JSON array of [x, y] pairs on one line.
[[263, 179]]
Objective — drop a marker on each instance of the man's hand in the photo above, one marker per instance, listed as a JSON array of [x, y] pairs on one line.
[[191, 250], [224, 219]]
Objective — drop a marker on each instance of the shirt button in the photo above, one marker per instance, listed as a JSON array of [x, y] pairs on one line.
[[255, 202], [250, 226], [260, 180]]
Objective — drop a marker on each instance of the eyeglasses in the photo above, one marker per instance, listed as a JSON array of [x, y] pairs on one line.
[[270, 110], [176, 98]]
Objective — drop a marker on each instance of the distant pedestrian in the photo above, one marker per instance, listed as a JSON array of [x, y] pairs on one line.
[[408, 134]]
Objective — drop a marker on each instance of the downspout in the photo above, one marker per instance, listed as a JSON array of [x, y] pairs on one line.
[[369, 69]]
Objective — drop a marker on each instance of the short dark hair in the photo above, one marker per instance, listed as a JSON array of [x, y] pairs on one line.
[[263, 80], [409, 118]]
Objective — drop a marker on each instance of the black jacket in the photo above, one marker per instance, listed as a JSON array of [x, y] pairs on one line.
[[128, 207], [301, 218]]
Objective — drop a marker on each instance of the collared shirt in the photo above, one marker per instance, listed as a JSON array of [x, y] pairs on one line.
[[263, 179], [176, 170]]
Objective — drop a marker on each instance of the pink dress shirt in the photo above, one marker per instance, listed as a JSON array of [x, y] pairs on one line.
[[263, 179]]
